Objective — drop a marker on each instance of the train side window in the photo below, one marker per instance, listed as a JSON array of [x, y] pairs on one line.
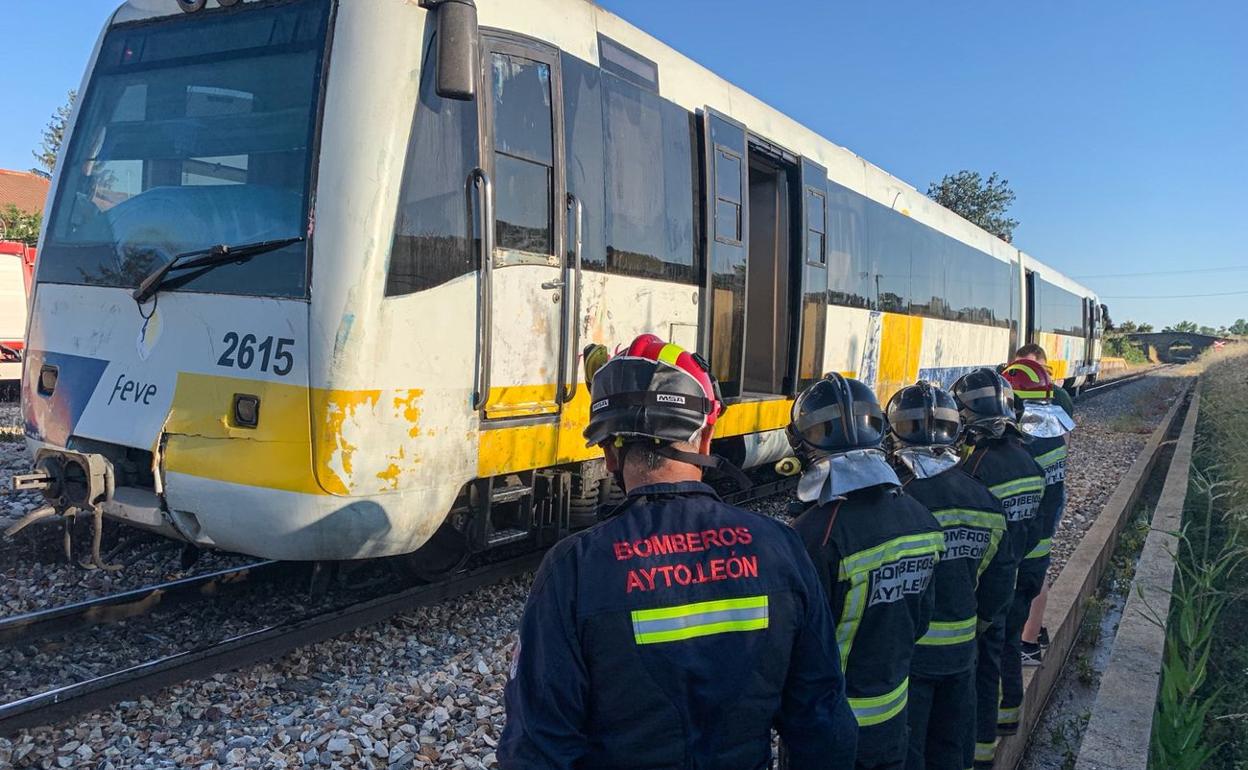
[[727, 196], [582, 115], [888, 244], [433, 237], [523, 154], [816, 244], [648, 173], [848, 272]]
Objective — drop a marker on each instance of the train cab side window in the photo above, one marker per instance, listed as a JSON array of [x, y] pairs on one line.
[[523, 154], [433, 237]]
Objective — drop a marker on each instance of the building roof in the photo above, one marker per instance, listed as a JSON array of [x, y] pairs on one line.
[[23, 189]]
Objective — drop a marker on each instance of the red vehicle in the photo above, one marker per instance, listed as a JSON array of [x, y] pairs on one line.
[[17, 265]]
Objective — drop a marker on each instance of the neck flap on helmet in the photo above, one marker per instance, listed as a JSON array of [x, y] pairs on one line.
[[837, 475], [927, 461], [1045, 420]]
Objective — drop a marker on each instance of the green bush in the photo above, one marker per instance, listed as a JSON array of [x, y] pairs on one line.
[[1121, 347]]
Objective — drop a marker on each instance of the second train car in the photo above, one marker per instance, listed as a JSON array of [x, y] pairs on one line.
[[390, 227]]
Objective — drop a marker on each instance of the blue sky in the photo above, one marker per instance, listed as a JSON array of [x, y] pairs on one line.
[[1122, 126]]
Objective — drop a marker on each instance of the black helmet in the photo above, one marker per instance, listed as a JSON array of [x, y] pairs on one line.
[[651, 390], [923, 415], [834, 415], [984, 398]]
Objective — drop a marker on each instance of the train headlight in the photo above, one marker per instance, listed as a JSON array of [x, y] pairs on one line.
[[191, 6], [246, 410], [47, 379]]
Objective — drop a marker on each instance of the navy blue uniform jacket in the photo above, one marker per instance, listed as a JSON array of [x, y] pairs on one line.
[[677, 634]]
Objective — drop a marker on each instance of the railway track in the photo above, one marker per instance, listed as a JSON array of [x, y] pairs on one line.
[[235, 651], [268, 642], [1104, 387]]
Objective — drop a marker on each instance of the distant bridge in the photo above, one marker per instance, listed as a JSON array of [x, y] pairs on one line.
[[1174, 347]]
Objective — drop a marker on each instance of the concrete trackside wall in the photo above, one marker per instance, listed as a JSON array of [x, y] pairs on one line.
[[1119, 732]]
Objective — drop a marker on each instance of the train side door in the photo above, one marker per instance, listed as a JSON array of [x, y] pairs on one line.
[[1032, 310], [812, 319], [528, 280], [1089, 331], [727, 233]]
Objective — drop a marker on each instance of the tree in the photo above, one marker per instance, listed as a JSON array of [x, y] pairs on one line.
[[1127, 327], [54, 134], [1240, 327], [17, 225], [980, 202], [1186, 327], [1208, 331], [1144, 328]]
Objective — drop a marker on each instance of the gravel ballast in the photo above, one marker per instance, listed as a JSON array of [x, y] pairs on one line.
[[423, 689], [33, 571]]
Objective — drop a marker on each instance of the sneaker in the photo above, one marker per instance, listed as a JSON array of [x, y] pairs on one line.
[[1043, 638], [1032, 654]]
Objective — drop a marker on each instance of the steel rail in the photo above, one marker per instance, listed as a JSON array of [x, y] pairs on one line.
[[243, 649], [113, 608], [1104, 387]]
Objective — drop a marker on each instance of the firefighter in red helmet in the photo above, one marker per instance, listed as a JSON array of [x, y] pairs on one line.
[[681, 630]]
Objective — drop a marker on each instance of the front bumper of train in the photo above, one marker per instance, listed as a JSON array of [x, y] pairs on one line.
[[266, 523]]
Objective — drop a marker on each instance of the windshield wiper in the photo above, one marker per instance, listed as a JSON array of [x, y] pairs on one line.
[[208, 258]]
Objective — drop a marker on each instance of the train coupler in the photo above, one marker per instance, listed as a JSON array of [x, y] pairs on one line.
[[32, 482]]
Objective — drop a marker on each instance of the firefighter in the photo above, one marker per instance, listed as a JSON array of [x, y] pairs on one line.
[[972, 582], [680, 630], [1033, 352], [1046, 425], [999, 460], [875, 549], [1035, 635]]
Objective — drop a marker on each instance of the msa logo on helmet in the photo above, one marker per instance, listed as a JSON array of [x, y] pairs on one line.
[[669, 398]]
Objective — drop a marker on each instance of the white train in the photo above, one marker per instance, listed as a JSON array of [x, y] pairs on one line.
[[450, 201]]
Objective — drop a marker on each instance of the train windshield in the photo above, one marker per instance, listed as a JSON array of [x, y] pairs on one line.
[[195, 130]]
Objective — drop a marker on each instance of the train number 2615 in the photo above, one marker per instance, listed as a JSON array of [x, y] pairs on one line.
[[241, 353]]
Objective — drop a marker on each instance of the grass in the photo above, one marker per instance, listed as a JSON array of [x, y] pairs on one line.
[[1065, 737], [1200, 720]]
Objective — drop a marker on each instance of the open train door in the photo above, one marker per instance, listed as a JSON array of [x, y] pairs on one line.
[[811, 320], [1029, 287], [725, 150]]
